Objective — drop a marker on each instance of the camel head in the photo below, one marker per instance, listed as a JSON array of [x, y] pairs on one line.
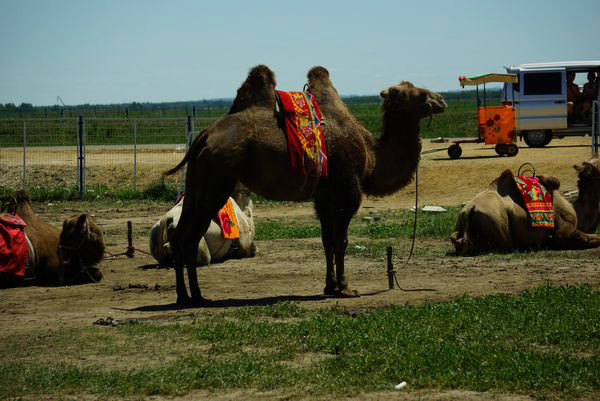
[[257, 90], [588, 173], [82, 247], [407, 99], [241, 196], [589, 169]]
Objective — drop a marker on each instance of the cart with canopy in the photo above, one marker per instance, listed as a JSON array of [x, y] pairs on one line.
[[496, 124]]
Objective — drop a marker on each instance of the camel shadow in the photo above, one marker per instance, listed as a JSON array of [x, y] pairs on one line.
[[235, 302]]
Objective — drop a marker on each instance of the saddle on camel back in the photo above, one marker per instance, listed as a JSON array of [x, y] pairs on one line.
[[299, 115], [16, 251], [534, 195]]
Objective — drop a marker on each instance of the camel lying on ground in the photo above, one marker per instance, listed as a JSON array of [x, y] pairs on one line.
[[213, 247], [248, 145], [67, 257], [496, 220]]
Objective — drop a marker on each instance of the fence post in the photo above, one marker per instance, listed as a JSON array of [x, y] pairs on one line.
[[188, 142], [81, 155], [595, 127], [190, 133], [135, 156], [24, 151]]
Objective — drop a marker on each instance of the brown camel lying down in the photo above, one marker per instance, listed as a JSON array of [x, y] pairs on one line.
[[66, 257], [248, 145], [496, 220]]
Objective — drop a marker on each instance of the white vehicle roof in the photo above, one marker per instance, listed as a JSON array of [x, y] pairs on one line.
[[572, 65]]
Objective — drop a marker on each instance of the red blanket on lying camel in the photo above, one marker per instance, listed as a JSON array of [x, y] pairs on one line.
[[13, 245], [538, 201], [306, 142]]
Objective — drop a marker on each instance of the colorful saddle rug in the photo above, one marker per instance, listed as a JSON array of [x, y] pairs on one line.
[[538, 201], [304, 128], [225, 217], [13, 245], [228, 221]]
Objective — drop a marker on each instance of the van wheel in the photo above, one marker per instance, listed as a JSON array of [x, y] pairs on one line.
[[537, 139], [454, 151]]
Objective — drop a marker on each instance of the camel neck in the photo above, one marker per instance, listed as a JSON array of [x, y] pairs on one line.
[[587, 193], [397, 155]]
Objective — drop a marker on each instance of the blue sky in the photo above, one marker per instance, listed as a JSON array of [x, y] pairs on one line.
[[123, 51]]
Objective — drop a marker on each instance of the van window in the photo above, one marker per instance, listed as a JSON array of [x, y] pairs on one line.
[[542, 83]]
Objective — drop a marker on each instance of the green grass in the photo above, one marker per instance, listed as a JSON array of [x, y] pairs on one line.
[[459, 120], [543, 342], [388, 224], [156, 191]]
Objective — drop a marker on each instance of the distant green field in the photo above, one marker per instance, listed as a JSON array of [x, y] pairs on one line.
[[459, 120]]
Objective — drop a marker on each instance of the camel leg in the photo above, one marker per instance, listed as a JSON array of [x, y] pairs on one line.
[[207, 191], [325, 213], [577, 240], [182, 295], [344, 214]]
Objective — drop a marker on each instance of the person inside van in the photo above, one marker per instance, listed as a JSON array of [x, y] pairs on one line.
[[590, 89], [576, 105]]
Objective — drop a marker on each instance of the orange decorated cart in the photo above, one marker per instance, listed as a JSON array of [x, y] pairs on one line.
[[496, 124]]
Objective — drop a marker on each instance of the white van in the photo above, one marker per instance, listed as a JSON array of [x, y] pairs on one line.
[[540, 100]]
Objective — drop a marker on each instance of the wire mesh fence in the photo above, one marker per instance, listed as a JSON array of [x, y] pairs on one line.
[[111, 152]]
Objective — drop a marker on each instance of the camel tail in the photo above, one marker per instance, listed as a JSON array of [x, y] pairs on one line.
[[193, 151]]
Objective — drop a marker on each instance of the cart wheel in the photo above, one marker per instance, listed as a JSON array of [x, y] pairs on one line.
[[501, 149], [512, 150], [454, 151]]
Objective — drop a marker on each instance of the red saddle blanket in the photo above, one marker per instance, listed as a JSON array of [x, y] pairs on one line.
[[304, 128], [538, 201], [13, 245]]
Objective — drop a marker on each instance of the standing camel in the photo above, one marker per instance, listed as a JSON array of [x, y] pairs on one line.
[[249, 145]]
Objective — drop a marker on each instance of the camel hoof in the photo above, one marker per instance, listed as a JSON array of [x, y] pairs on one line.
[[184, 300], [348, 293], [331, 291], [201, 301]]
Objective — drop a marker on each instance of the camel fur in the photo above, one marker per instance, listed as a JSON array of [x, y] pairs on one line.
[[212, 247], [249, 145], [587, 204], [57, 255], [496, 220]]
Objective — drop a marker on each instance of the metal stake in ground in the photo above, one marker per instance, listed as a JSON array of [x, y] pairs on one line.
[[130, 249], [390, 268]]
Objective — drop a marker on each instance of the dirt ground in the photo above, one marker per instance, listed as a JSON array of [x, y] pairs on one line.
[[293, 270]]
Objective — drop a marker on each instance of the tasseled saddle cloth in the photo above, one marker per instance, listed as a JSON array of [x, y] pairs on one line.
[[13, 245], [538, 201], [304, 127]]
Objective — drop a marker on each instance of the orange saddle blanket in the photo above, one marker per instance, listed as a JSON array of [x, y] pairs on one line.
[[304, 128], [228, 221]]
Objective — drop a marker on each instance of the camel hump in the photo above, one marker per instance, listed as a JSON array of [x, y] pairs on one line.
[[551, 183], [257, 90], [318, 77], [318, 72], [21, 196]]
